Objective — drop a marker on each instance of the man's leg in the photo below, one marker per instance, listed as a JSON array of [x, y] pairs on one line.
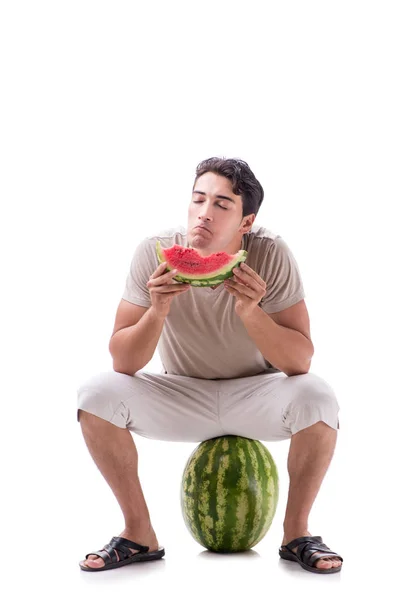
[[275, 407], [138, 404], [310, 454], [114, 452]]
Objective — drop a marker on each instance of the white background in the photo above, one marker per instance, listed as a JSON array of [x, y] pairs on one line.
[[106, 109]]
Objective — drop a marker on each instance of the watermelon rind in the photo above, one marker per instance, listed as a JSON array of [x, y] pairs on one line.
[[229, 493], [210, 279]]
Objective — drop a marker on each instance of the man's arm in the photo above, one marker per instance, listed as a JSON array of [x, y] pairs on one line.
[[133, 347], [286, 349]]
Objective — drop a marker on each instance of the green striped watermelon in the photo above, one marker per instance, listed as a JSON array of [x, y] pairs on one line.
[[229, 493]]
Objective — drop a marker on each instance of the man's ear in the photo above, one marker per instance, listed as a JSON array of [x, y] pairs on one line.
[[247, 223]]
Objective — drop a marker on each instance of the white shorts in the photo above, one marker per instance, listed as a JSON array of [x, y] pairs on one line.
[[266, 407]]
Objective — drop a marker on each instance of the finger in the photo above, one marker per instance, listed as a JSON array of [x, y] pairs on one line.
[[165, 289], [241, 279], [249, 282], [246, 270], [243, 289], [162, 269], [168, 275], [160, 279], [256, 284], [241, 275], [180, 290], [171, 295]]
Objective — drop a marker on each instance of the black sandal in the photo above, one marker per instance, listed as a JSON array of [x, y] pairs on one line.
[[306, 547], [126, 557]]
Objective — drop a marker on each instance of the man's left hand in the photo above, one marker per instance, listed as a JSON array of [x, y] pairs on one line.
[[247, 287]]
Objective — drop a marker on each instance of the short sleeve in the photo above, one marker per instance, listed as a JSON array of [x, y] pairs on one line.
[[282, 278], [143, 264]]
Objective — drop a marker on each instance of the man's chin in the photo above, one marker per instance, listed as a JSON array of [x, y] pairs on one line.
[[199, 242], [200, 237]]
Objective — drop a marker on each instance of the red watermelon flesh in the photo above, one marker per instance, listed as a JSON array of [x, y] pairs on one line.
[[196, 269]]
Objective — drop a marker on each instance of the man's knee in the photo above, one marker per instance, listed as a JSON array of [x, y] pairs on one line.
[[99, 398], [84, 416], [315, 400], [313, 389]]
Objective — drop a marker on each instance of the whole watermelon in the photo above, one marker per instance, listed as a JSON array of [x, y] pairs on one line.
[[229, 493]]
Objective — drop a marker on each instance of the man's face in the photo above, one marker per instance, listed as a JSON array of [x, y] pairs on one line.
[[222, 217]]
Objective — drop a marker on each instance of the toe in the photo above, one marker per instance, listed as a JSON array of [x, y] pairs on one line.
[[94, 563], [328, 563], [324, 563]]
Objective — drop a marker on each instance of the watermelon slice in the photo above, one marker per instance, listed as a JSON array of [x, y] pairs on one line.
[[197, 270]]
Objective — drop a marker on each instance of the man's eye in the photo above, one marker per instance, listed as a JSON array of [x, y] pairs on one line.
[[197, 201]]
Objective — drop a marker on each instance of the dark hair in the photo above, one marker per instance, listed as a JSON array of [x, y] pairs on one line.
[[244, 182]]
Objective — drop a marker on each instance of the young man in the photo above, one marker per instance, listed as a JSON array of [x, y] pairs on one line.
[[236, 361]]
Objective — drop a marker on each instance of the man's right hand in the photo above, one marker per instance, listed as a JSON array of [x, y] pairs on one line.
[[163, 291]]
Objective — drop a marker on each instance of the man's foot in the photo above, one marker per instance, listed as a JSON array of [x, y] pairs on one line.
[[144, 539], [322, 563]]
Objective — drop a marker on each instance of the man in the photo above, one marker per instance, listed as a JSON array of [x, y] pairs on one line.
[[236, 360]]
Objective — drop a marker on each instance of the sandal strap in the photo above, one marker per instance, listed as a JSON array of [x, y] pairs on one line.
[[121, 544], [108, 558], [311, 561], [307, 538], [311, 548]]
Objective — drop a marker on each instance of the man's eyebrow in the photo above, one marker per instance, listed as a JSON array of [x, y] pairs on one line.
[[218, 196]]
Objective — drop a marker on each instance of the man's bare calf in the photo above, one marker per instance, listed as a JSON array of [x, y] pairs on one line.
[[114, 452]]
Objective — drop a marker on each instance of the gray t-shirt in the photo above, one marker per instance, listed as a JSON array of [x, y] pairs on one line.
[[202, 335]]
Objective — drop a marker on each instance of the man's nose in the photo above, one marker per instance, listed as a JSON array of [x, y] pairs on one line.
[[206, 212]]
